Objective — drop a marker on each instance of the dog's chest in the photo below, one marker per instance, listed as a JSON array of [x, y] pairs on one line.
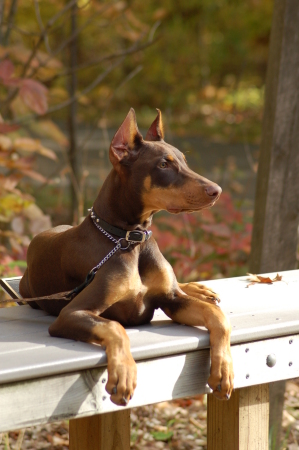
[[136, 295]]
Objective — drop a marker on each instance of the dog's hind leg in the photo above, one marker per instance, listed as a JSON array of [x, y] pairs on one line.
[[89, 327], [25, 290], [24, 286]]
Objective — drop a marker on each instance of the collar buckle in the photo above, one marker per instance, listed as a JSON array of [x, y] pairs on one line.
[[136, 236]]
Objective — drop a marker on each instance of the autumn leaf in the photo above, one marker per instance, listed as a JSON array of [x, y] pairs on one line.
[[6, 72], [277, 278], [254, 279], [33, 94], [34, 175], [33, 145], [6, 69], [9, 182], [5, 143], [47, 128], [8, 128]]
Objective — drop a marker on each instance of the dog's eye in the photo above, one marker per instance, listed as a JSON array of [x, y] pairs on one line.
[[163, 165]]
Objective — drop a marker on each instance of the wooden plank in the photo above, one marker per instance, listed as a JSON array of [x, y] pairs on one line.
[[254, 417], [241, 423], [27, 351], [223, 423], [26, 312], [83, 393], [276, 395], [59, 356], [109, 431]]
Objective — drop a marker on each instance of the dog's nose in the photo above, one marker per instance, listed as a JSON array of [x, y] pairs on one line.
[[213, 190]]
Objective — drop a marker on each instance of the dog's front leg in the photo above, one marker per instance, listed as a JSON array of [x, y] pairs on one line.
[[192, 311], [89, 327], [200, 292]]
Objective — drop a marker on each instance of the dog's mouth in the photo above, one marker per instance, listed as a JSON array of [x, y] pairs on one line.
[[177, 211], [191, 210]]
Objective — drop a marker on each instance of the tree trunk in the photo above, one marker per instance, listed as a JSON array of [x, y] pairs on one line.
[[276, 218], [73, 150]]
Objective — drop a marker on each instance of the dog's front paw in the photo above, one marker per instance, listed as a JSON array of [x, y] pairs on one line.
[[122, 379], [200, 292], [221, 379]]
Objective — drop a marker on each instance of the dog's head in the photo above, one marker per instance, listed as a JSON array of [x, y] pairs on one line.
[[158, 171]]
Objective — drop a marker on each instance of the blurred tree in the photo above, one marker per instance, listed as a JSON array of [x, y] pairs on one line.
[[206, 70], [276, 217], [39, 67], [207, 51], [43, 65]]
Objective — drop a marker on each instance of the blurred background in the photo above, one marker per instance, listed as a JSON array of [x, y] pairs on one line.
[[69, 73]]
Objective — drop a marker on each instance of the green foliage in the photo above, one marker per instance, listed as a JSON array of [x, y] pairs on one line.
[[162, 436], [219, 44]]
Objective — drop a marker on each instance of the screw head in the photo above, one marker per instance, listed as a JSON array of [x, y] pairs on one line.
[[290, 363], [103, 380], [246, 350], [291, 341], [271, 360], [247, 376]]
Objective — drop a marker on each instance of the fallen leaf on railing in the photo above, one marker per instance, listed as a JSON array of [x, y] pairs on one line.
[[262, 280]]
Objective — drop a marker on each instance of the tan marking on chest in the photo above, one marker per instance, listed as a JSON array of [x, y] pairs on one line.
[[159, 281], [125, 287], [130, 287]]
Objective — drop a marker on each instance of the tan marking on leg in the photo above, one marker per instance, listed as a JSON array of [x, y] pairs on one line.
[[88, 327], [200, 291], [195, 312]]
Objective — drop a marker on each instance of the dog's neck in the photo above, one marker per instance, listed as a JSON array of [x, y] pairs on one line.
[[120, 206]]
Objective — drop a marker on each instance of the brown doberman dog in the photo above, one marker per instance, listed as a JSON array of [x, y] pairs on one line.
[[148, 175]]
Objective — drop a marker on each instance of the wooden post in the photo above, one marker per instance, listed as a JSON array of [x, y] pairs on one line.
[[242, 423], [276, 218], [110, 431]]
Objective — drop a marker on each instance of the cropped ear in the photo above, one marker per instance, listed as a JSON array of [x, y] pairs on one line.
[[156, 130], [125, 140]]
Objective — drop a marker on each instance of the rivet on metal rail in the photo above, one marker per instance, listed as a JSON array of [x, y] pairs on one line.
[[271, 360]]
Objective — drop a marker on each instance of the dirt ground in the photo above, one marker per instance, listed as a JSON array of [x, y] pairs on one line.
[[176, 425]]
